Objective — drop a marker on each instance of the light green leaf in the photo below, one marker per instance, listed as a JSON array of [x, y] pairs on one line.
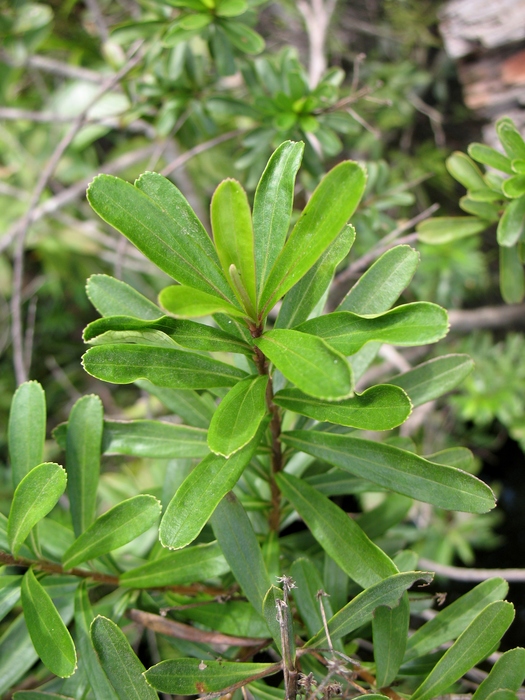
[[381, 285], [338, 535], [172, 368], [379, 408], [272, 207], [408, 325], [197, 497], [35, 496], [17, 653], [231, 8], [446, 229], [238, 417], [434, 378], [514, 186], [187, 302], [471, 647], [398, 470], [195, 21], [465, 171], [242, 37], [488, 211], [192, 677], [112, 297], [199, 563], [390, 632], [507, 674], [27, 417], [329, 208], [360, 609], [510, 138], [450, 622], [48, 633], [116, 527], [121, 665], [512, 224], [511, 275], [9, 593], [37, 695], [310, 363], [489, 156], [83, 448]]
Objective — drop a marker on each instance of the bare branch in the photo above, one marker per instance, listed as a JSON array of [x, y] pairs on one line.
[[201, 148], [459, 573], [466, 320], [317, 15], [49, 65]]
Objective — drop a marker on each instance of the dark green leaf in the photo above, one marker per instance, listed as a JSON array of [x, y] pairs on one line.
[[235, 617], [309, 583], [512, 223], [507, 674], [446, 229], [390, 632], [459, 457], [17, 653], [390, 512], [187, 302], [27, 417], [112, 297]]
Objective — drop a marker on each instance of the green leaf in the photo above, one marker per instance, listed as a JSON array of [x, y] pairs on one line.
[[484, 210], [395, 469], [379, 408], [194, 409], [121, 665], [360, 609], [197, 497], [242, 37], [188, 302], [27, 417], [408, 325], [235, 617], [447, 229], [329, 208], [512, 224], [231, 222], [518, 166], [465, 171], [510, 138], [231, 8], [471, 647], [172, 368], [17, 653], [37, 695], [112, 297], [35, 496], [390, 512], [238, 417], [450, 622], [9, 593], [338, 535], [310, 363], [459, 457], [192, 677], [272, 207], [48, 633], [303, 297], [308, 584], [83, 448], [434, 378], [158, 220], [489, 156], [382, 284], [507, 674], [236, 538], [199, 563], [195, 21], [390, 632], [116, 527], [514, 186], [511, 275]]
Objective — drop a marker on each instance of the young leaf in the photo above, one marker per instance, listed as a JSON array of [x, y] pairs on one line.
[[197, 497], [238, 417], [408, 325], [397, 470], [434, 378], [471, 647], [192, 677], [390, 632], [310, 363], [188, 565], [121, 665], [382, 284], [338, 535], [112, 297], [507, 674], [379, 408], [116, 527], [462, 169], [272, 207], [510, 138], [329, 208], [35, 496], [512, 224], [489, 156], [514, 186], [83, 448], [511, 275], [172, 368], [26, 417], [447, 229], [187, 302], [48, 633]]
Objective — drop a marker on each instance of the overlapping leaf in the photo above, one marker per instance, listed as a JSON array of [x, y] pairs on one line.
[[112, 297]]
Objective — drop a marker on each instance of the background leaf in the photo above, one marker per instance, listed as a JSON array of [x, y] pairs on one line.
[[27, 417], [507, 673]]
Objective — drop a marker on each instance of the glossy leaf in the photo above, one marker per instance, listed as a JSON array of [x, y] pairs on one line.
[[199, 563], [434, 378], [338, 535], [116, 527], [329, 208], [507, 674], [310, 363], [83, 448], [172, 368], [447, 229], [187, 302], [382, 284], [48, 633], [192, 677], [489, 156], [512, 224], [272, 207], [112, 297], [465, 171], [119, 661], [26, 417], [471, 647], [511, 275], [398, 470], [360, 609], [408, 325], [35, 496], [199, 494], [238, 417], [390, 632], [379, 408]]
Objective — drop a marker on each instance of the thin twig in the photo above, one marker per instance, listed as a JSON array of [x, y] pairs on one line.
[[316, 15], [459, 573], [98, 18], [50, 65], [179, 161]]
